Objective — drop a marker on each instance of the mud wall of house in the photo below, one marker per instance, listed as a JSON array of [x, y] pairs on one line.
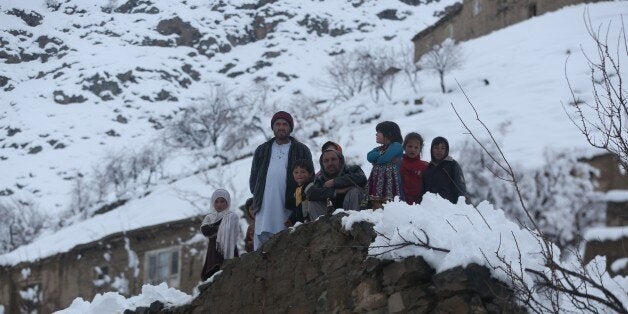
[[612, 249], [610, 176], [66, 276], [6, 289], [480, 17]]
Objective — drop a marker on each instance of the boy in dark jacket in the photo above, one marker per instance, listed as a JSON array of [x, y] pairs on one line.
[[444, 175], [303, 174], [249, 207]]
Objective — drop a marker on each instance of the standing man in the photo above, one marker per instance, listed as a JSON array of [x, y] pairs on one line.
[[271, 180]]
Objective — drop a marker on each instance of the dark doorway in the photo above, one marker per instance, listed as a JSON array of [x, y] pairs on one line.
[[532, 10]]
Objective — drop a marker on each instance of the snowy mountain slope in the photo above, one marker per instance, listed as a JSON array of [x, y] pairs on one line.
[[523, 99], [105, 75]]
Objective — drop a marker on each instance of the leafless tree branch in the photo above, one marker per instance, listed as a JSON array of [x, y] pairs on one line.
[[603, 122], [560, 281]]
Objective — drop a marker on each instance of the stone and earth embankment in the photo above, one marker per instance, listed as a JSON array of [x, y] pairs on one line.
[[320, 267]]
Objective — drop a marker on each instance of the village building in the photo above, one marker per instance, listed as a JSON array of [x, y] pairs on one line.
[[475, 18], [171, 252]]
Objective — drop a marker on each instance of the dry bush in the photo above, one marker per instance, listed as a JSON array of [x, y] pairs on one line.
[[442, 58], [21, 223], [204, 123], [604, 122]]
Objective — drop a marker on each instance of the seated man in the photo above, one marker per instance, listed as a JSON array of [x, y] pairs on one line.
[[341, 184]]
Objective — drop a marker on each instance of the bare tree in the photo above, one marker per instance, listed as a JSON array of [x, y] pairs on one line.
[[346, 75], [115, 173], [443, 58], [381, 66], [583, 286], [252, 109], [409, 67], [203, 124], [351, 73], [21, 223], [81, 196], [115, 177], [312, 111], [218, 114], [145, 165], [183, 133], [151, 160], [604, 122]]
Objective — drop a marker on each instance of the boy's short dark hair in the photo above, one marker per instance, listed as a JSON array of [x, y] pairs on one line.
[[413, 136], [248, 203], [305, 164]]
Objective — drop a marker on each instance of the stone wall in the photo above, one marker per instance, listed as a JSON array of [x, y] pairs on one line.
[[319, 267], [475, 18], [617, 214], [610, 177], [63, 277], [612, 249]]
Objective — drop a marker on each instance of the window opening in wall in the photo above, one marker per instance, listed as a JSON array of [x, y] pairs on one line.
[[532, 10], [30, 298], [163, 266], [477, 7], [102, 272], [502, 6]]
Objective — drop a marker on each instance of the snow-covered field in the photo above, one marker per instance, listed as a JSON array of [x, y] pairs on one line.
[[523, 102]]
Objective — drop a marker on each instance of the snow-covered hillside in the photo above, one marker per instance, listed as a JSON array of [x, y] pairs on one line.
[[130, 67], [83, 81]]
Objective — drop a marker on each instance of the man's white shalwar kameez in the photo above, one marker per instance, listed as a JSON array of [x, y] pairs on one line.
[[273, 214]]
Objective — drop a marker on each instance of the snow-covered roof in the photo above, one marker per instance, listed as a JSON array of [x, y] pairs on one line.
[[616, 196], [606, 233], [161, 206]]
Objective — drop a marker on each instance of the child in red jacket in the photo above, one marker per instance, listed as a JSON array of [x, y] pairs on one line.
[[412, 168]]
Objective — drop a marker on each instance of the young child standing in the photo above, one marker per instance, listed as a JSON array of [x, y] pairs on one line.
[[303, 174], [444, 175], [249, 207], [222, 229], [412, 168], [385, 180]]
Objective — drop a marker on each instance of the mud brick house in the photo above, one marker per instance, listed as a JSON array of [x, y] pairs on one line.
[[474, 18], [171, 252], [610, 240]]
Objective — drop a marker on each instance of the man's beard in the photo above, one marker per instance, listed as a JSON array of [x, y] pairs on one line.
[[282, 135]]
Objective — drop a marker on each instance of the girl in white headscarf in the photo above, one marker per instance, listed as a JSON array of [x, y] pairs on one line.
[[222, 228]]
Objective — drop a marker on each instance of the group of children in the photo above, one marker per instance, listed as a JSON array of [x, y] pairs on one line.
[[398, 171]]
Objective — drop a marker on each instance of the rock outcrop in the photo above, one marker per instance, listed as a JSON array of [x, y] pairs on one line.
[[323, 268]]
